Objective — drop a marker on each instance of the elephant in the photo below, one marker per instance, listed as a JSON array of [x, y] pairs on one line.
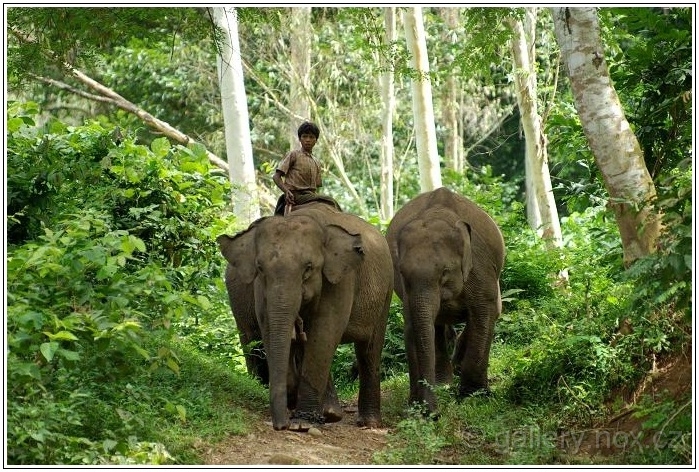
[[242, 303], [324, 275], [448, 255]]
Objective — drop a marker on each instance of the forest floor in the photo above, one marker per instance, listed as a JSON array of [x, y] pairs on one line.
[[344, 443]]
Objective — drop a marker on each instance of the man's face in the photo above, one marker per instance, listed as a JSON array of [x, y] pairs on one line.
[[307, 141]]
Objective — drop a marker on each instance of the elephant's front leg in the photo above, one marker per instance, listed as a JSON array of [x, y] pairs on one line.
[[420, 336], [332, 410], [444, 336], [314, 380], [473, 350]]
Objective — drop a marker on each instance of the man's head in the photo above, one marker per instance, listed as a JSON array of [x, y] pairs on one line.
[[308, 128]]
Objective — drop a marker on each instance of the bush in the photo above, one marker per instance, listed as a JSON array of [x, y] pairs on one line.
[[110, 247]]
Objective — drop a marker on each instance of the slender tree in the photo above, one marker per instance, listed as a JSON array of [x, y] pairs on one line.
[[301, 29], [453, 148], [423, 112], [389, 104], [542, 213], [246, 205], [612, 142]]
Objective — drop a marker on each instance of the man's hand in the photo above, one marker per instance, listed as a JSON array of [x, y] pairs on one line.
[[289, 195]]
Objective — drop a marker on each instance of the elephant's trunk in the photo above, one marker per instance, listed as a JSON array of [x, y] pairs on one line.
[[281, 316], [423, 309]]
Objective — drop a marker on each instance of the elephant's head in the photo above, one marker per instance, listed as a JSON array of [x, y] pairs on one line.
[[440, 257], [297, 250], [288, 260]]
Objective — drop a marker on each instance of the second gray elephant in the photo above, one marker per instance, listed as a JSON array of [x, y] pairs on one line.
[[447, 255], [241, 297], [327, 274]]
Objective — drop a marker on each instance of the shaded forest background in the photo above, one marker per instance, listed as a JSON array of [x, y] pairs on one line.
[[120, 343]]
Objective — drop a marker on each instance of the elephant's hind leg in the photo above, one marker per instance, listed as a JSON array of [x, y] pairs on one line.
[[369, 402]]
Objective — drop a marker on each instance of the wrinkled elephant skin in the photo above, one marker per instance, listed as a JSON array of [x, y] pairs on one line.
[[321, 274], [447, 256], [242, 301]]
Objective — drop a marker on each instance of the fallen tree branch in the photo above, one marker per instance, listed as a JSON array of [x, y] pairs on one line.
[[146, 117], [69, 88], [105, 94]]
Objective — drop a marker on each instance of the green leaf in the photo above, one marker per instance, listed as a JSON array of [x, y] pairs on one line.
[[14, 124], [182, 413], [160, 147], [109, 444], [68, 355], [127, 245], [173, 366], [48, 350], [95, 255], [204, 302], [106, 272], [61, 336], [138, 243], [38, 435], [28, 369]]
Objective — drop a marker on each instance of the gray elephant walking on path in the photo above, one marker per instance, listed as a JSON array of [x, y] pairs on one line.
[[241, 297], [447, 257], [325, 274]]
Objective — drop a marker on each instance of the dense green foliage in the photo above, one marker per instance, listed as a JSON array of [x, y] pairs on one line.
[[121, 348], [108, 251]]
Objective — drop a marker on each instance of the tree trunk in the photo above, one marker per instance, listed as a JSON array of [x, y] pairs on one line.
[[541, 212], [613, 143], [453, 150], [246, 203], [301, 30], [389, 104], [423, 112]]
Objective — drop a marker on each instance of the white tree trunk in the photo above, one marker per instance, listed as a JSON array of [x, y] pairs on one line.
[[246, 205], [389, 104], [543, 214], [300, 81], [453, 149], [423, 112], [613, 143]]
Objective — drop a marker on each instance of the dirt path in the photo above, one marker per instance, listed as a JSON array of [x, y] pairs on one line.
[[344, 443], [334, 443]]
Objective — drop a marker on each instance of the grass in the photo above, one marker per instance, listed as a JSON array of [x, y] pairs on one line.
[[205, 402], [210, 400]]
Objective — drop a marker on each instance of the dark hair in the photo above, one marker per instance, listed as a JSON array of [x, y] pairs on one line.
[[309, 128]]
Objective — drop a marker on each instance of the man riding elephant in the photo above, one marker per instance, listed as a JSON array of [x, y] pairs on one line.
[[298, 175]]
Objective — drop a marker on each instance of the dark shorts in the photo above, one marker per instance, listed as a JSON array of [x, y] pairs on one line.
[[302, 197]]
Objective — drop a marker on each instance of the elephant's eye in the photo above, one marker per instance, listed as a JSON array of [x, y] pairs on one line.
[[445, 275], [307, 271]]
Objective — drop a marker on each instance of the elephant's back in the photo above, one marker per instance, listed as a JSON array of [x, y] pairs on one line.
[[374, 277], [449, 206], [378, 265]]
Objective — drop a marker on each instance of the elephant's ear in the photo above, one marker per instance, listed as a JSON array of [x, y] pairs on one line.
[[467, 256], [239, 251], [343, 252]]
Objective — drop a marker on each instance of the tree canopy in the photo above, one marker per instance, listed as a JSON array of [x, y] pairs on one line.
[[120, 342]]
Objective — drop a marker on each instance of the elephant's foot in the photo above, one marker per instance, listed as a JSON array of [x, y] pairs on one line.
[[425, 410], [302, 421], [300, 426], [280, 426], [370, 422], [470, 391], [332, 413], [443, 378]]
